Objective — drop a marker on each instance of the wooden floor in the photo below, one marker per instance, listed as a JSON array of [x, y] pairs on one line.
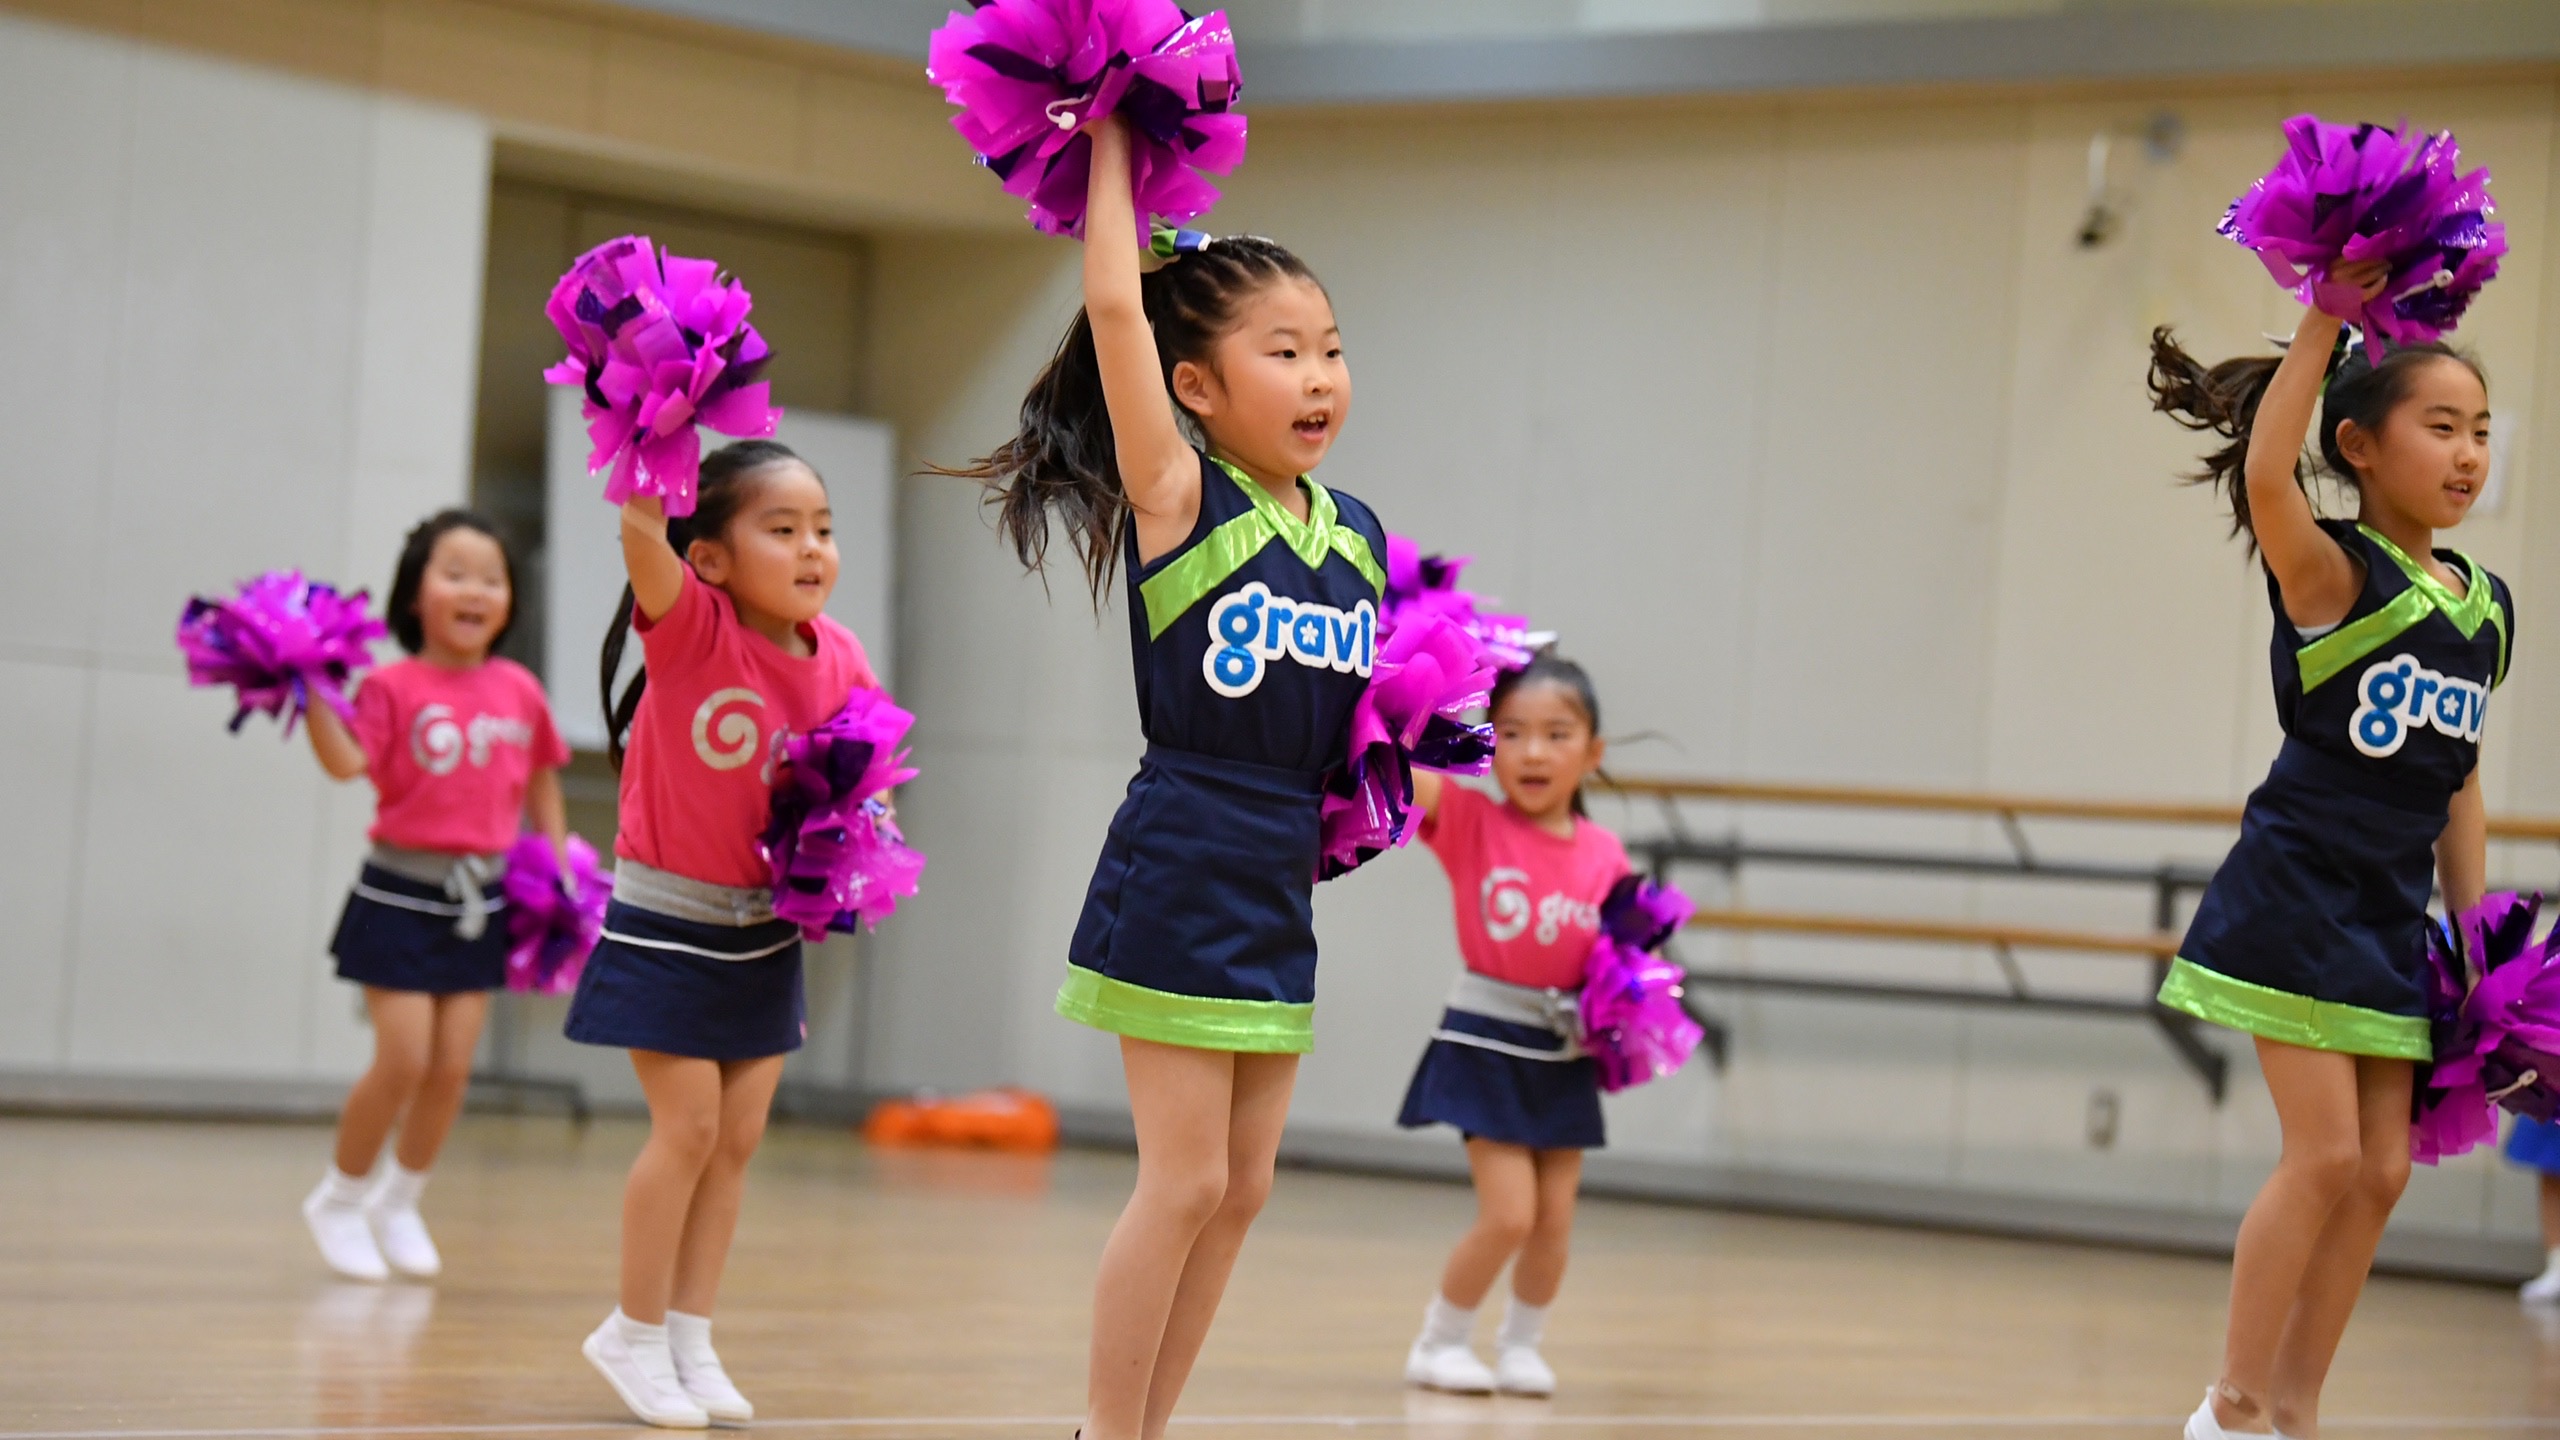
[[155, 1280]]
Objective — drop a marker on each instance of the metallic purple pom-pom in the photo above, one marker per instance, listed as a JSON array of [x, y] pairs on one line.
[[838, 859], [1030, 75], [283, 642], [1420, 584], [1632, 1020], [2349, 193], [658, 344], [2493, 994], [1426, 677], [554, 917]]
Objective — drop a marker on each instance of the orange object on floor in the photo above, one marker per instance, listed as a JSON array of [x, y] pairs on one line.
[[1001, 1119]]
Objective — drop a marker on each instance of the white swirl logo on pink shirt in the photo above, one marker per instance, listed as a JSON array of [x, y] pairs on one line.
[[727, 738], [1506, 903], [436, 740]]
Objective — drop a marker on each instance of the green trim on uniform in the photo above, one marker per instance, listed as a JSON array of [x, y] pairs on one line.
[[2291, 1019], [1262, 1027], [2498, 617], [1171, 592], [2324, 658]]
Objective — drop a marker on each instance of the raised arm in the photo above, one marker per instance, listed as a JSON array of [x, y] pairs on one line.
[[1157, 469], [548, 808], [2318, 580], [1426, 792], [657, 572], [334, 743]]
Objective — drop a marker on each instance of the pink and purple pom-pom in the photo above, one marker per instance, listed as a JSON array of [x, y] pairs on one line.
[[1632, 1020], [2493, 993], [1419, 584], [2347, 193], [554, 917], [658, 344], [284, 642], [1030, 75], [1427, 676], [837, 857]]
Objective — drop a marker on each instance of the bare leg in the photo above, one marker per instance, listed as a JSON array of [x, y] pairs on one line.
[[684, 1128], [1506, 1179], [2344, 1254], [1255, 1118], [2317, 1105], [2550, 1193], [711, 1222], [1540, 1273], [403, 1026], [1180, 1099], [457, 1039]]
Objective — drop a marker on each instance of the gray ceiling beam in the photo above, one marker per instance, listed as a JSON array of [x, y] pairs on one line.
[[2090, 43]]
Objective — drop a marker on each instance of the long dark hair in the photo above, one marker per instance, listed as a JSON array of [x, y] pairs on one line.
[[723, 490], [410, 575], [2224, 399], [1549, 668], [1061, 460]]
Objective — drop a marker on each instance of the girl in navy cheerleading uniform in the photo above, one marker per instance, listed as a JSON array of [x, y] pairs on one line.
[[695, 976], [460, 748], [2313, 934], [1253, 596], [1529, 873]]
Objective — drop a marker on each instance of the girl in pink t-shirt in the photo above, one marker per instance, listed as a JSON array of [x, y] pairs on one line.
[[460, 748], [695, 975], [1528, 873]]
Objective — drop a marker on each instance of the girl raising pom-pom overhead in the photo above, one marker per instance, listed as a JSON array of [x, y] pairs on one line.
[[2313, 935]]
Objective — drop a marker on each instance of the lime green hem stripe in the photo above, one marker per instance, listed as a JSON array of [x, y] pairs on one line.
[[1262, 1027], [2292, 1019]]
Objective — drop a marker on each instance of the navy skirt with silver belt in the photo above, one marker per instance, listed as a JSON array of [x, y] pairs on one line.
[[1199, 926], [2314, 930], [1508, 1081], [399, 934], [688, 986]]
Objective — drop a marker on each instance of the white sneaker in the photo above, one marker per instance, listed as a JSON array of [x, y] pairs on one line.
[[708, 1384], [644, 1376], [1520, 1370], [2202, 1426], [2543, 1289], [346, 1241], [406, 1246], [1453, 1368]]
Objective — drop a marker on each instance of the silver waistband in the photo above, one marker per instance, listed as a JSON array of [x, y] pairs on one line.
[[699, 901], [464, 879], [1558, 1012]]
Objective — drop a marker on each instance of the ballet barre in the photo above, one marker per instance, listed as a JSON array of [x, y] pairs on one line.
[[2171, 883]]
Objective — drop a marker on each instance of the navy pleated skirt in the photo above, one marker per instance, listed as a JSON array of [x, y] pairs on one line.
[[2314, 930], [680, 987], [1199, 926], [397, 934], [1486, 1083]]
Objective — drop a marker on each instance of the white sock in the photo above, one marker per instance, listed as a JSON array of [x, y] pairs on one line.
[[341, 1188], [1522, 1325], [1446, 1324], [399, 1189], [635, 1333], [2551, 1259], [690, 1335]]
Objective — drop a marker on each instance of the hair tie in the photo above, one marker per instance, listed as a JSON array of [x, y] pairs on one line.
[[1168, 244]]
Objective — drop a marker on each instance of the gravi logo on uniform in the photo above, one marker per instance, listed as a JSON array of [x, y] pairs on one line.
[[2398, 695], [1252, 627]]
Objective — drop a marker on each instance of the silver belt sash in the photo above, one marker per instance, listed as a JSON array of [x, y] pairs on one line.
[[683, 898], [1558, 1012], [465, 880]]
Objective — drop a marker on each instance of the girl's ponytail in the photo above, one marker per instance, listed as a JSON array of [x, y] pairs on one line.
[[2223, 399], [719, 494]]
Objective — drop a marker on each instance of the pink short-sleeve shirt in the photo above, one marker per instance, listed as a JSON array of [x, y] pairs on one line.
[[450, 752], [697, 776], [1528, 902]]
